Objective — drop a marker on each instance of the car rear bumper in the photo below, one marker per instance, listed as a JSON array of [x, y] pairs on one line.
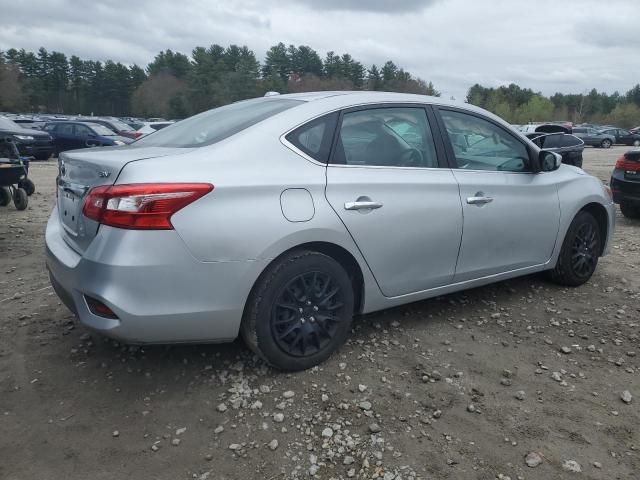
[[623, 189], [158, 290]]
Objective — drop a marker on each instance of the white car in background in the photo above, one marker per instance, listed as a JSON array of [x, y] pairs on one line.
[[150, 127]]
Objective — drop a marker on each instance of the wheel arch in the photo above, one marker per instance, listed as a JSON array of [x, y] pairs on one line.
[[599, 212], [339, 254]]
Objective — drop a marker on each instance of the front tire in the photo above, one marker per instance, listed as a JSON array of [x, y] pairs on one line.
[[20, 199], [606, 143], [636, 143], [629, 210], [299, 311], [580, 252]]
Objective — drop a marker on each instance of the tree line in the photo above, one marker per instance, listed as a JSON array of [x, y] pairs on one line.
[[176, 85], [522, 105]]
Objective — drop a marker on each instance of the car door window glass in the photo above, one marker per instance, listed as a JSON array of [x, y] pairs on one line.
[[479, 144], [386, 137], [82, 131], [314, 138], [65, 129]]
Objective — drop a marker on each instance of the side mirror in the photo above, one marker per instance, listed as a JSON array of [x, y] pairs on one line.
[[91, 135], [549, 161]]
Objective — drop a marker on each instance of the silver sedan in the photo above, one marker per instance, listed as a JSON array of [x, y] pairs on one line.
[[279, 218]]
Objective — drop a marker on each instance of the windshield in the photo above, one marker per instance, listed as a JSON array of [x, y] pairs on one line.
[[102, 130], [6, 123], [121, 126], [215, 125]]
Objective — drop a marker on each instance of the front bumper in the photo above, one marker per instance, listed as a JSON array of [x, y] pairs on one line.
[[158, 290], [35, 149]]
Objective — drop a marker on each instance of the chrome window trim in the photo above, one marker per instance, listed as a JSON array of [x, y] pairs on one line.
[[293, 148]]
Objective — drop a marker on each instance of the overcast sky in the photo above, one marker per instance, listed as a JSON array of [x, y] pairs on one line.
[[547, 45]]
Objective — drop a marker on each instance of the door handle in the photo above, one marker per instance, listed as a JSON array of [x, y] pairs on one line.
[[362, 205], [479, 199]]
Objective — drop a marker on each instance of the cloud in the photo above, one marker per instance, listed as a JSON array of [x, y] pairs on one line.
[[608, 33], [454, 43], [378, 6]]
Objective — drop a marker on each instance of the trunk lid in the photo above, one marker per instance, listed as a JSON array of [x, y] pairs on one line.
[[81, 170]]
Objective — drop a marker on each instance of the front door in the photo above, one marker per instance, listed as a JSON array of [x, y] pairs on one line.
[[402, 208], [511, 215]]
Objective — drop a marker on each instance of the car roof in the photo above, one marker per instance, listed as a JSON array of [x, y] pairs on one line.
[[318, 103], [366, 96]]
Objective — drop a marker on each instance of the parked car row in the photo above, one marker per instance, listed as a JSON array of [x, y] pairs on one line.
[[40, 137], [603, 136]]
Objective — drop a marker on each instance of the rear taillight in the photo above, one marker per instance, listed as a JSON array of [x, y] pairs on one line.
[[98, 308], [627, 165], [137, 135], [143, 206]]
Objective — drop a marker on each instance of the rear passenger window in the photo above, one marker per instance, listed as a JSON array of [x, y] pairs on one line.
[[386, 137], [314, 138], [65, 129]]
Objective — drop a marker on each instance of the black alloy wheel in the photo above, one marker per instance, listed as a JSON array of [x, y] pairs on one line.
[[305, 319], [299, 311], [581, 249], [584, 255]]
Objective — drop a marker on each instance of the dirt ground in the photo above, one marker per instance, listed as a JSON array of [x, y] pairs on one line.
[[464, 386]]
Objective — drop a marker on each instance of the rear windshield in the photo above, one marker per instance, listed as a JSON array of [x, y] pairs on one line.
[[215, 125]]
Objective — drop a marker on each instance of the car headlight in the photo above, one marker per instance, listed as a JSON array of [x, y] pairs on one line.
[[118, 142], [23, 137]]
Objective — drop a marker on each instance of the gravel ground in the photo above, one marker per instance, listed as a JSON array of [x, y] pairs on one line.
[[518, 380]]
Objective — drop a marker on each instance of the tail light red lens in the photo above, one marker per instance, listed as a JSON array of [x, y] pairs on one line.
[[627, 165], [137, 135], [98, 308], [144, 206]]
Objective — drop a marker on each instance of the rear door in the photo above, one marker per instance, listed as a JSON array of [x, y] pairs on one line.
[[85, 136], [64, 138], [387, 182], [511, 215]]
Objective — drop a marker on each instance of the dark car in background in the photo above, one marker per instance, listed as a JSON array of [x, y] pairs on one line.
[[593, 137], [567, 145], [74, 135], [625, 184], [117, 126], [29, 123], [30, 142], [624, 137]]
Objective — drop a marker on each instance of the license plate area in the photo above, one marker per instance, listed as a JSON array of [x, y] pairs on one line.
[[69, 209]]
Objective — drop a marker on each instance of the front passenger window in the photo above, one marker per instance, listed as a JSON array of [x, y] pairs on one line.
[[479, 144]]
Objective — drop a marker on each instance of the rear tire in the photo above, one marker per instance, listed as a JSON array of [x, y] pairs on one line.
[[606, 143], [629, 210], [28, 186], [299, 311], [20, 199], [580, 252], [5, 196]]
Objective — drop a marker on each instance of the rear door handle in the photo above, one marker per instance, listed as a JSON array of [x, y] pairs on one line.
[[362, 205], [479, 199]]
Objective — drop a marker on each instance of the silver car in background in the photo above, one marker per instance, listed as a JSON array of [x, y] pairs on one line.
[[279, 218]]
